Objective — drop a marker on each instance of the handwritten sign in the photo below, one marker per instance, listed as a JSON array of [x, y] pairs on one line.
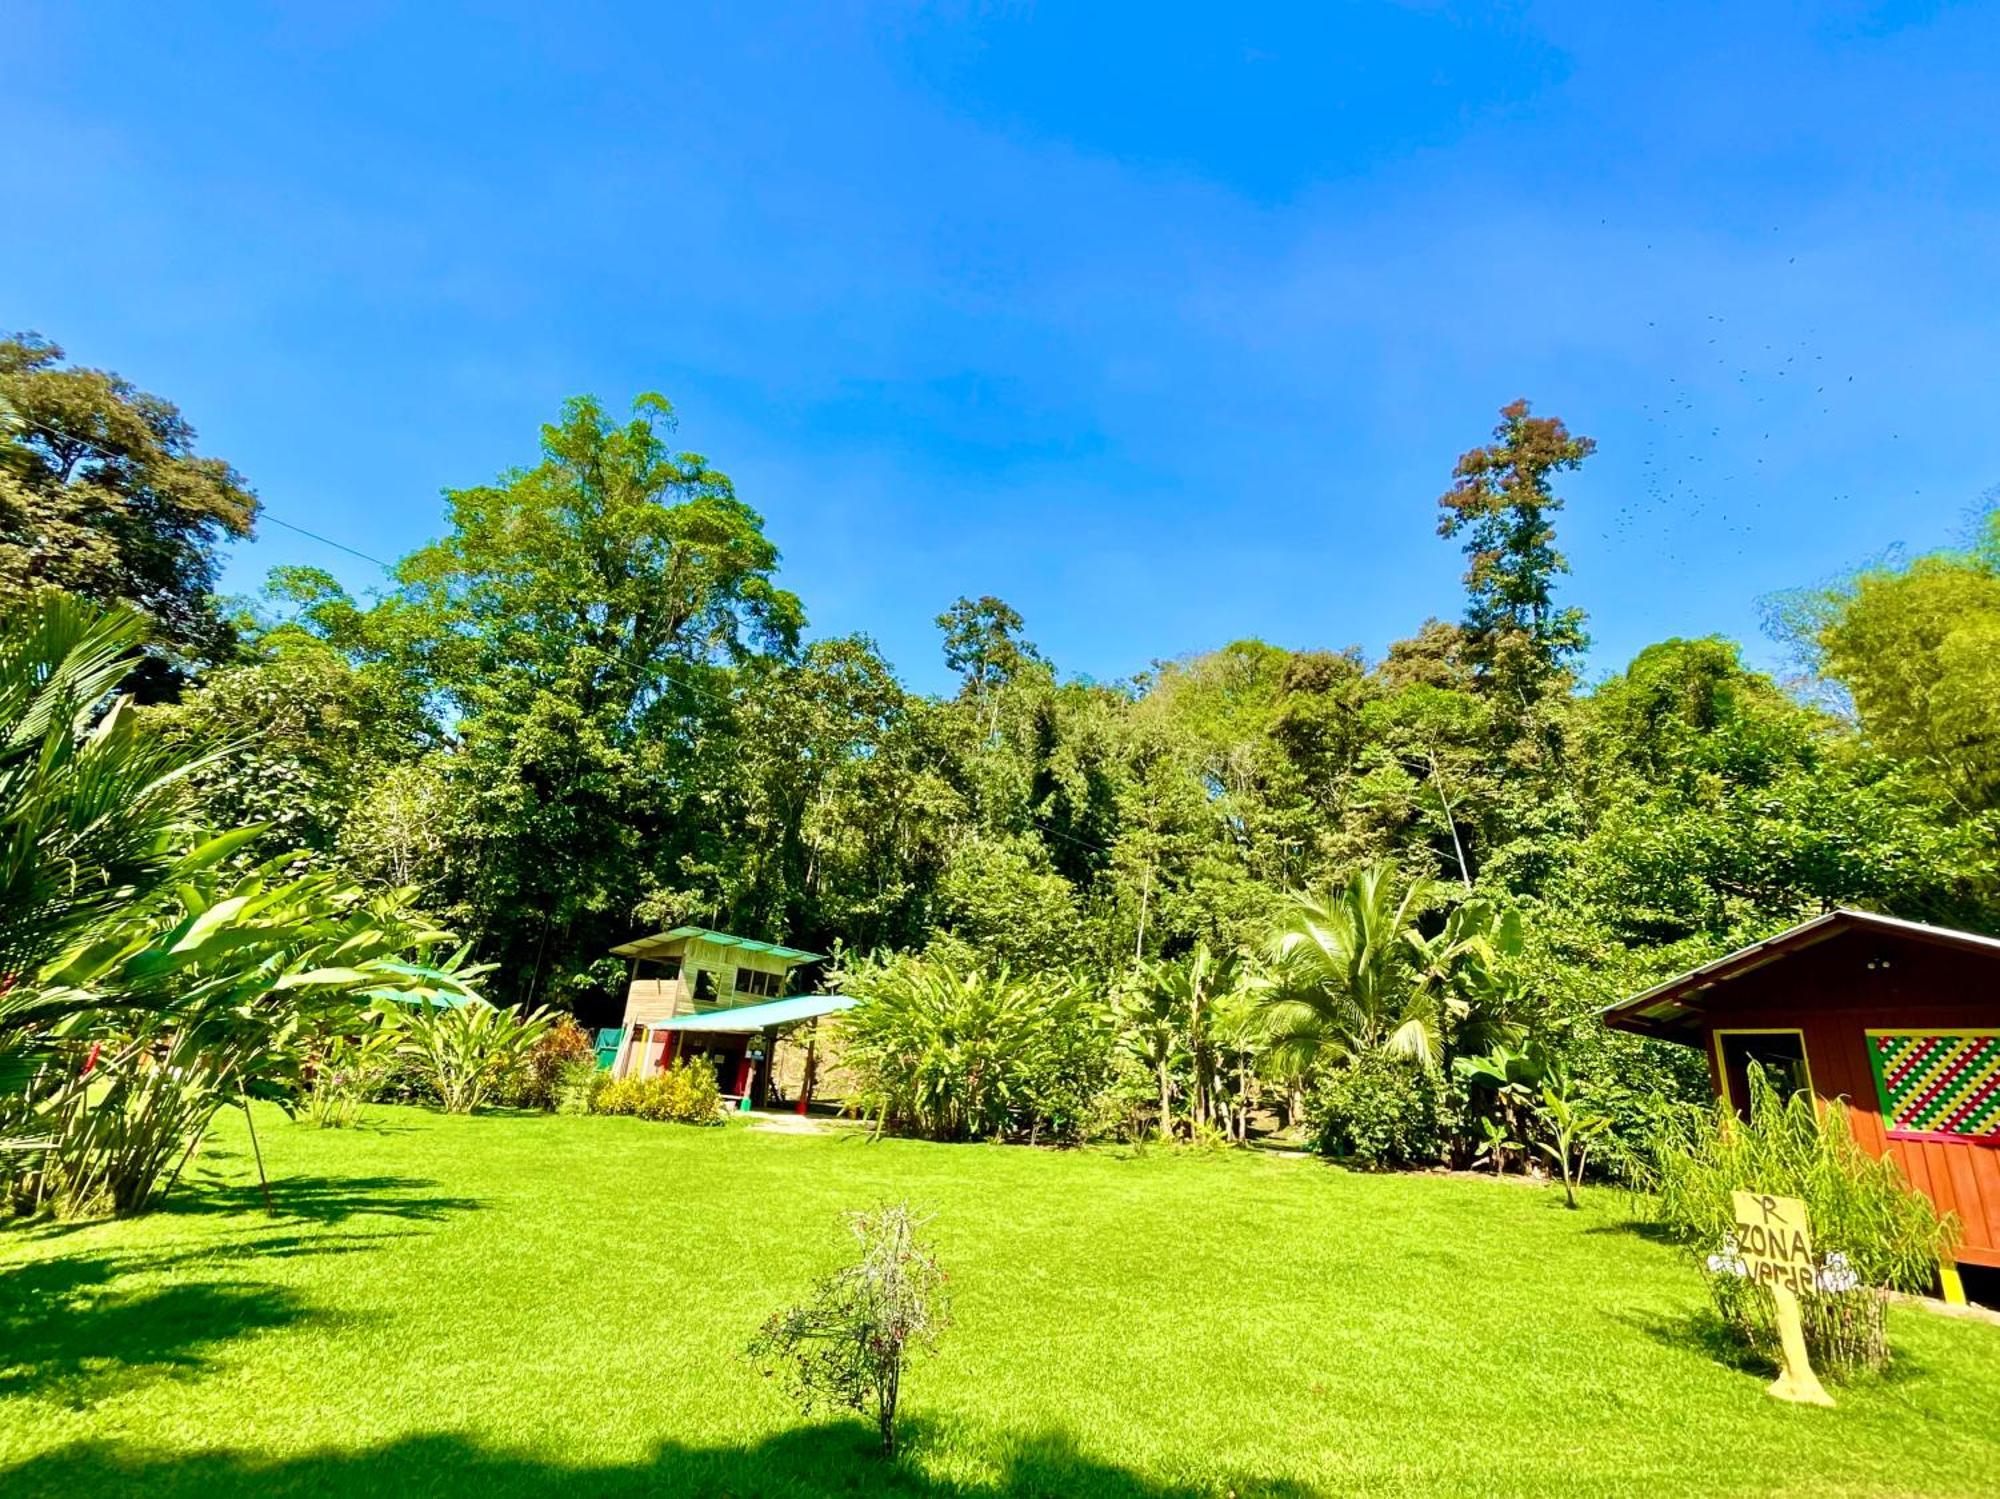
[[1774, 1239], [1774, 1242]]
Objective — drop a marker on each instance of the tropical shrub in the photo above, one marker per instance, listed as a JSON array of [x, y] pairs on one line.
[[1378, 1110], [1352, 973], [577, 1086], [347, 1070], [562, 1044], [1869, 1229], [845, 1347], [954, 1053], [146, 989], [466, 1051], [686, 1093]]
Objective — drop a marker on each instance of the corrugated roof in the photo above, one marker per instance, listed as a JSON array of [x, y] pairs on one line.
[[640, 947], [748, 1019], [1672, 1008]]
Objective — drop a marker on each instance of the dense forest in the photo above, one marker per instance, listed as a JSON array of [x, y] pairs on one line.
[[590, 708]]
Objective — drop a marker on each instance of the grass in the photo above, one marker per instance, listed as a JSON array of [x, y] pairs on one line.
[[540, 1306]]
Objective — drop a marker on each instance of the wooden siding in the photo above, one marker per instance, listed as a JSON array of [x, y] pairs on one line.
[[1834, 996]]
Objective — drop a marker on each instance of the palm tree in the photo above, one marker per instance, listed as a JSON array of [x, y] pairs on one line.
[[1353, 974], [88, 809]]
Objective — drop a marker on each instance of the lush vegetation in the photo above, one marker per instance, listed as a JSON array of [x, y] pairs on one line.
[[1868, 1228], [683, 1094], [150, 981], [1224, 890], [1371, 900], [535, 1305]]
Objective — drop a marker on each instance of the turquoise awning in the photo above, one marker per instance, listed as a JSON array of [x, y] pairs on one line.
[[749, 1019]]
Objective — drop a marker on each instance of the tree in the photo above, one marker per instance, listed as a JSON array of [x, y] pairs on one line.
[[1344, 980], [1501, 498], [1918, 649], [102, 494], [573, 639], [984, 644]]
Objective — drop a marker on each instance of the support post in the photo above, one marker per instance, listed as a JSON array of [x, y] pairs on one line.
[[812, 1062], [1950, 1284]]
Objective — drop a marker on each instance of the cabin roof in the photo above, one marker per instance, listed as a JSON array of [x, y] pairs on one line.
[[657, 944], [1674, 1010], [749, 1019]]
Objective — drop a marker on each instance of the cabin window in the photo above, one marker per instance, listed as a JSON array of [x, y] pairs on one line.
[[1781, 1054], [757, 982], [704, 986], [659, 968]]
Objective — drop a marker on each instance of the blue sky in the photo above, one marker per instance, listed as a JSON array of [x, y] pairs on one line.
[[1164, 322]]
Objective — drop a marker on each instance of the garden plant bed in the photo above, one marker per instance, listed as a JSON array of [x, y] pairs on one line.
[[528, 1305]]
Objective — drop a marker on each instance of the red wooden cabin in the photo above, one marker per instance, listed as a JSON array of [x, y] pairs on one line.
[[1899, 1019]]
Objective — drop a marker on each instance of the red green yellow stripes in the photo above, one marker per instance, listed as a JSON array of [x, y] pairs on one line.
[[1939, 1084]]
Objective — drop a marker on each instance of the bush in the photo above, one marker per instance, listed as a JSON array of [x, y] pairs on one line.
[[1378, 1110], [1869, 1229], [577, 1086], [466, 1053], [846, 1347], [686, 1093], [954, 1053], [560, 1045], [346, 1072]]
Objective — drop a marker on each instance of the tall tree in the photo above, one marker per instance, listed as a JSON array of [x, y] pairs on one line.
[[984, 644], [103, 495], [1501, 499]]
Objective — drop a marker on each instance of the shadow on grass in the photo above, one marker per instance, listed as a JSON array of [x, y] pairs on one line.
[[68, 1329], [804, 1464], [320, 1199], [1704, 1333]]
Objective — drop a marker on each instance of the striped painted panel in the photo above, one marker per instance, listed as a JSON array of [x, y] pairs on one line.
[[1944, 1087]]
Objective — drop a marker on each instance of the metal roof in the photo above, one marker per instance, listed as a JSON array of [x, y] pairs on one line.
[[643, 947], [749, 1019], [1676, 1006]]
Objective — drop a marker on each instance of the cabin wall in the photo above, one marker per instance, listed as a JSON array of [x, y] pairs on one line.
[[1834, 997], [654, 999]]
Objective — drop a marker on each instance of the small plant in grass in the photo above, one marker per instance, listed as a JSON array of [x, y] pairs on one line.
[[347, 1071], [1870, 1231], [577, 1086], [845, 1347], [1571, 1124]]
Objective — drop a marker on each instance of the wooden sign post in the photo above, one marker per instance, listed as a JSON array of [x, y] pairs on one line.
[[1775, 1242]]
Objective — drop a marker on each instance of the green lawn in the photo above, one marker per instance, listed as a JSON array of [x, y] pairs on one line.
[[502, 1306]]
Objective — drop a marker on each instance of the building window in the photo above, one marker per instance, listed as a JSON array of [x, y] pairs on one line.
[[755, 981], [1779, 1054], [704, 987], [666, 969]]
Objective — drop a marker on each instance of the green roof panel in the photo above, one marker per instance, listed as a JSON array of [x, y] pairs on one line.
[[638, 947]]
